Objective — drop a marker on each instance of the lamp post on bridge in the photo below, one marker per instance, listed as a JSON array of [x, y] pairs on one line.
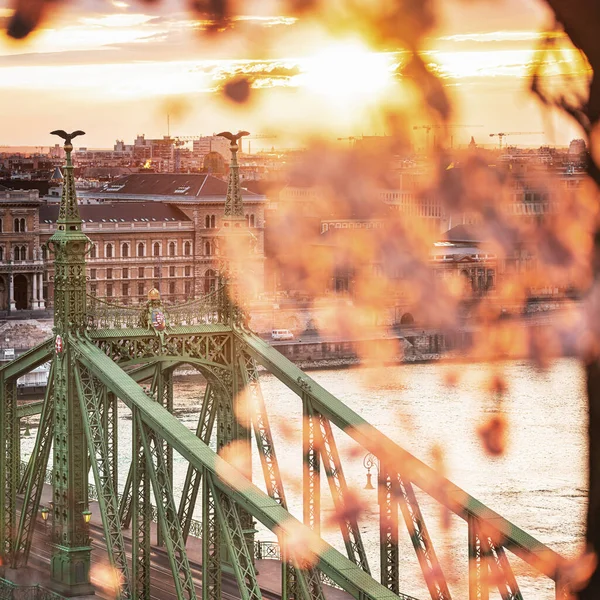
[[370, 461]]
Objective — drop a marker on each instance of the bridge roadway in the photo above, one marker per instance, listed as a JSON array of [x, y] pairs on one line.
[[162, 586]]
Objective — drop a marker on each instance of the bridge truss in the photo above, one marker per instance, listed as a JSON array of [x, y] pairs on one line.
[[102, 354]]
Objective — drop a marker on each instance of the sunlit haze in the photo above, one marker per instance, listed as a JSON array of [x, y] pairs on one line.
[[117, 70]]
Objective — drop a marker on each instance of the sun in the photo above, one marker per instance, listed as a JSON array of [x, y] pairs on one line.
[[347, 71]]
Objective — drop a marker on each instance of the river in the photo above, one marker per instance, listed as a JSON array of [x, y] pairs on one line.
[[538, 483]]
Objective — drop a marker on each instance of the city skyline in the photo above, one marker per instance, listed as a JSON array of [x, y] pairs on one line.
[[126, 66]]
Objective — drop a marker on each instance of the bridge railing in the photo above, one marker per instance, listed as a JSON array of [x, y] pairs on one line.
[[13, 591], [211, 308]]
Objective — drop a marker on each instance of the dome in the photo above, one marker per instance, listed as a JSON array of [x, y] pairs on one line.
[[214, 163]]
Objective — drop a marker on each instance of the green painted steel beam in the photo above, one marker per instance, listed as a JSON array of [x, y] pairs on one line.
[[29, 409], [28, 361], [183, 330], [228, 479], [441, 489]]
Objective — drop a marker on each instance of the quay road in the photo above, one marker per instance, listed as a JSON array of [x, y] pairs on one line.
[[401, 331], [162, 587]]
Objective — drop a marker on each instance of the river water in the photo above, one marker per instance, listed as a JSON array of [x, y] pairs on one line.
[[538, 482]]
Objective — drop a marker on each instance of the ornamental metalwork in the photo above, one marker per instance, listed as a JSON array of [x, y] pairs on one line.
[[103, 354]]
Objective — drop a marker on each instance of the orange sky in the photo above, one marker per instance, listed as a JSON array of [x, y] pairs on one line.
[[117, 68]]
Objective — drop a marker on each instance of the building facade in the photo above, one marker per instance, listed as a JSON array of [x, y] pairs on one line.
[[168, 239]]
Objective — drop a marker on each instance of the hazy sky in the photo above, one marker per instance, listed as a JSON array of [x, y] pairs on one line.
[[117, 68]]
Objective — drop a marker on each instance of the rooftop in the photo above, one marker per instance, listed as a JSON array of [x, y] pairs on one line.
[[178, 185], [119, 212]]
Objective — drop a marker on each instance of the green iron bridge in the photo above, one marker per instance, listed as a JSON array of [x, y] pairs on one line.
[[102, 353]]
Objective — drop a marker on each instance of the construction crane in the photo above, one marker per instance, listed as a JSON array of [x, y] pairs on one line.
[[428, 128], [502, 135], [258, 136], [350, 139]]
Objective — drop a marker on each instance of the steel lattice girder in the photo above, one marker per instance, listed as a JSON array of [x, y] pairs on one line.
[[91, 409], [432, 570], [309, 581], [231, 529], [140, 520], [229, 480], [28, 361], [193, 476], [211, 543], [165, 505], [33, 479], [432, 483], [9, 466]]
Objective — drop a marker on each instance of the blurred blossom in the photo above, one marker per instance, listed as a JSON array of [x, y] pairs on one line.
[[492, 434], [236, 454]]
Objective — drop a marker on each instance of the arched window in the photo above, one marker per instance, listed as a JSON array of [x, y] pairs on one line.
[[22, 223], [187, 249], [188, 271], [16, 225], [156, 250], [23, 252], [213, 221], [1, 253], [251, 220], [207, 249], [1, 225], [44, 252], [125, 250], [140, 250], [172, 249], [210, 281], [207, 221], [109, 250], [94, 251], [16, 253]]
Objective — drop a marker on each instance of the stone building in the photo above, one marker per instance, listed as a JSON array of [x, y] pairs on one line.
[[21, 262], [149, 230]]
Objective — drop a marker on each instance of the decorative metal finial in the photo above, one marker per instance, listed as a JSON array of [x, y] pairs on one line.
[[68, 137], [233, 138]]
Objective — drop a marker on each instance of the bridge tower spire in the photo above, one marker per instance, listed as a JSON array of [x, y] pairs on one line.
[[70, 565]]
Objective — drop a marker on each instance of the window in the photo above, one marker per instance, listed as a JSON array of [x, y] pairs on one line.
[[141, 272], [0, 224], [109, 290], [94, 251], [125, 289], [171, 287], [44, 252], [156, 284], [125, 250], [172, 249], [210, 221], [156, 271], [93, 289], [140, 289], [108, 273], [23, 225], [140, 251], [1, 253], [207, 249], [171, 271], [188, 271], [207, 221], [187, 247], [16, 227], [92, 273], [188, 289], [156, 250], [125, 273], [251, 220], [109, 250], [210, 281]]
